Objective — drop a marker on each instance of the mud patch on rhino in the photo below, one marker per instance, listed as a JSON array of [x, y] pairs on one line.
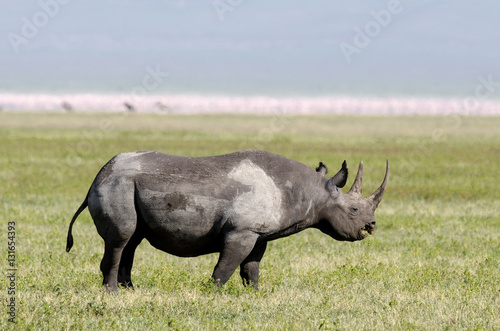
[[260, 208]]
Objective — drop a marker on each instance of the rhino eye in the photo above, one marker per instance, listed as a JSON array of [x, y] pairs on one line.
[[354, 209]]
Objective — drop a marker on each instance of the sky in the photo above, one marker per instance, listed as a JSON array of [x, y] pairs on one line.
[[250, 47]]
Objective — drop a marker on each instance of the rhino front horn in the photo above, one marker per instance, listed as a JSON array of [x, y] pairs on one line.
[[376, 197]]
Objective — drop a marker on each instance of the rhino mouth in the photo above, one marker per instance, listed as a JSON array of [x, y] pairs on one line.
[[366, 231]]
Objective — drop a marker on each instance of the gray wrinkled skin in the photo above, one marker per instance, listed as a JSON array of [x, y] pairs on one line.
[[232, 204]]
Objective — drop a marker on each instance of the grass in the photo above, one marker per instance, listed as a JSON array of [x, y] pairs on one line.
[[433, 263]]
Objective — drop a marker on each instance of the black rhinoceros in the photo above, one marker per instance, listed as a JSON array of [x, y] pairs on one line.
[[232, 204]]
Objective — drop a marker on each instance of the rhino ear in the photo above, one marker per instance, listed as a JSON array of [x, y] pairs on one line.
[[322, 169], [337, 181], [340, 177]]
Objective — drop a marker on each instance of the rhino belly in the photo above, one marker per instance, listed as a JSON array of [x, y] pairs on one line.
[[182, 225]]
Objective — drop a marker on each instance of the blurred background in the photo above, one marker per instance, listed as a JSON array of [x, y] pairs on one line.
[[365, 56]]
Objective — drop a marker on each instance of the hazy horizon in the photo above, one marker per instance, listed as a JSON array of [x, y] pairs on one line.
[[250, 47]]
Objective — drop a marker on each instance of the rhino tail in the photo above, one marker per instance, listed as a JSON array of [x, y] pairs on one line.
[[69, 241]]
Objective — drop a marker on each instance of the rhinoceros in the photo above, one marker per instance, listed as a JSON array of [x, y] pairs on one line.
[[230, 204]]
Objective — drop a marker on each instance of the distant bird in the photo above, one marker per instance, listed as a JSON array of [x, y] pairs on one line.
[[67, 106], [163, 107], [130, 107]]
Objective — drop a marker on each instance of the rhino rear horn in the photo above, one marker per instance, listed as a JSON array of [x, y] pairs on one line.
[[356, 186], [376, 196]]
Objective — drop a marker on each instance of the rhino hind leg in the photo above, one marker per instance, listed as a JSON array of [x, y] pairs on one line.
[[110, 263], [116, 223], [115, 243], [249, 269], [116, 230], [237, 247], [127, 260]]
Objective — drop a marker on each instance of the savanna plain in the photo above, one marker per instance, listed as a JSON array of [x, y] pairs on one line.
[[433, 262]]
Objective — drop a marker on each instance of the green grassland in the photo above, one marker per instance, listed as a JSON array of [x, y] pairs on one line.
[[432, 264]]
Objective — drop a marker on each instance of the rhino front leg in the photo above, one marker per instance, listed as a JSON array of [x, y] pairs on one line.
[[237, 247], [249, 269]]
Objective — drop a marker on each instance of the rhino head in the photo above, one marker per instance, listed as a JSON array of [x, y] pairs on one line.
[[349, 216]]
